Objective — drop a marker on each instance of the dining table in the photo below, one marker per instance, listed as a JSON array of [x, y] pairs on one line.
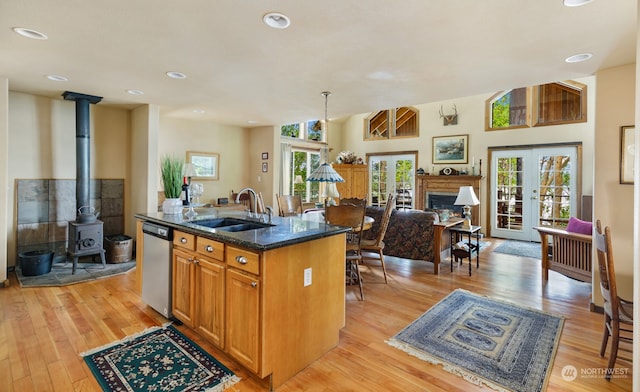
[[317, 215]]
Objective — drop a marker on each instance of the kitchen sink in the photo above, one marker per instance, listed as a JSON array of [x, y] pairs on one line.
[[230, 224]]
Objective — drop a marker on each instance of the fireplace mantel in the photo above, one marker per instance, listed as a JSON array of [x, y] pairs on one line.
[[446, 184]]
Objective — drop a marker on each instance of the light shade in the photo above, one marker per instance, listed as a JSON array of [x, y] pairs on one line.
[[298, 180], [325, 173], [466, 197]]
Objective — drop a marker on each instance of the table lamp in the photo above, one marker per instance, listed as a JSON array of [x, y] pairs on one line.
[[467, 198]]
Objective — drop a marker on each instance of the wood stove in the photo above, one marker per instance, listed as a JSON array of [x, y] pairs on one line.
[[86, 232]]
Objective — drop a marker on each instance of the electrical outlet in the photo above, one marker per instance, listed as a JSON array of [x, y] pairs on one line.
[[307, 277]]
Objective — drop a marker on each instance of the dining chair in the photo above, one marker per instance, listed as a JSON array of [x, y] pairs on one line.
[[289, 205], [354, 200], [618, 312], [372, 248], [349, 215]]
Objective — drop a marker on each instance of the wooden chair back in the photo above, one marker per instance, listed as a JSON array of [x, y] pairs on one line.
[[289, 205], [349, 215], [386, 217], [354, 200], [604, 254]]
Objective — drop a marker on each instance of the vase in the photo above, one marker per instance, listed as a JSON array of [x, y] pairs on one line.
[[172, 206]]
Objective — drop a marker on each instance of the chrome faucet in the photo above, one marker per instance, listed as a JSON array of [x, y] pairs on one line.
[[255, 200]]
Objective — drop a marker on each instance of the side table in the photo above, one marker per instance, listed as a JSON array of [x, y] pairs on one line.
[[456, 234]]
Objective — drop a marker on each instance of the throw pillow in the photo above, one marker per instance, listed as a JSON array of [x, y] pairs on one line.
[[579, 226]]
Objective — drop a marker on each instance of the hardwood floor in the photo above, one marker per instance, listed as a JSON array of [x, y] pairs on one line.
[[42, 330]]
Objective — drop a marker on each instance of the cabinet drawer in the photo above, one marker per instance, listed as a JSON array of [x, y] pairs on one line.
[[184, 240], [210, 248], [243, 259]]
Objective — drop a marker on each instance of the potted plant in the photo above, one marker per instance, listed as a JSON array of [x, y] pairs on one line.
[[171, 170]]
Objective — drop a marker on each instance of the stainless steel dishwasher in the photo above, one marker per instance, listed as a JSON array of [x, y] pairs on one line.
[[156, 267]]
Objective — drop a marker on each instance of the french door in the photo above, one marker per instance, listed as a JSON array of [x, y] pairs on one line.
[[532, 187], [390, 173]]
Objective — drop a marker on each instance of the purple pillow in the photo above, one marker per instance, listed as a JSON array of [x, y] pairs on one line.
[[579, 226]]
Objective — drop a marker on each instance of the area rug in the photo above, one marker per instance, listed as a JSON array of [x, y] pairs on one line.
[[488, 342], [60, 274], [520, 248], [158, 359]]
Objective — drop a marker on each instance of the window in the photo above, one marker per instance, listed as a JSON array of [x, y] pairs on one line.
[[304, 162], [312, 130], [560, 103], [386, 124], [508, 109], [547, 104]]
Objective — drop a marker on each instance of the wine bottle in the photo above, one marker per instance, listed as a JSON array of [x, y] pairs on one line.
[[185, 191]]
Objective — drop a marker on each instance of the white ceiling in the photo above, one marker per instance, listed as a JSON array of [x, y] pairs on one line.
[[371, 54]]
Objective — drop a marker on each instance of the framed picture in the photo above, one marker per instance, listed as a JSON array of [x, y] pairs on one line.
[[265, 155], [450, 149], [205, 164], [265, 167], [627, 153]]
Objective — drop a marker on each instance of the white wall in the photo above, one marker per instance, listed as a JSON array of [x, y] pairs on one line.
[[471, 112], [177, 136], [613, 202], [5, 223]]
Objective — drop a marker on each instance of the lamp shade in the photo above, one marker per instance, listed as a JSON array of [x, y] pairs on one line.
[[325, 173], [298, 180], [466, 197]]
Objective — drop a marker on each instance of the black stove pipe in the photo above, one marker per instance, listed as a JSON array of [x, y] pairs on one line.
[[83, 147]]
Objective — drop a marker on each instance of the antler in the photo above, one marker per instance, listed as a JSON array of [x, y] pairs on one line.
[[455, 109], [441, 112]]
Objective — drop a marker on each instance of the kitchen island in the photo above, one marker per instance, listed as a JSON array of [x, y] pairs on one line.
[[273, 298]]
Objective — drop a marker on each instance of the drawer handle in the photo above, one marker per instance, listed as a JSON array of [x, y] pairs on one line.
[[242, 259], [183, 240], [209, 248], [254, 284]]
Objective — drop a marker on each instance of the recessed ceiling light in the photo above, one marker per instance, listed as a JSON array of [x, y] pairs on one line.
[[252, 122], [29, 33], [578, 58], [135, 92], [276, 20], [576, 3], [176, 75], [199, 111], [57, 78]]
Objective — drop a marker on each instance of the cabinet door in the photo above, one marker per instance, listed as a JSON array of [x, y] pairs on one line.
[[183, 290], [360, 182], [243, 319], [210, 300]]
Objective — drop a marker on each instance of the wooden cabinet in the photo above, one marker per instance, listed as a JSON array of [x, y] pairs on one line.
[[274, 311], [198, 291], [356, 180], [243, 319], [183, 289], [243, 307]]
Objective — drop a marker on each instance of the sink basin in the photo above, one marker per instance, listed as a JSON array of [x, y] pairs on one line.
[[230, 224], [243, 227]]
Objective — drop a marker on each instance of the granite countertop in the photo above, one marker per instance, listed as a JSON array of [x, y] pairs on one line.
[[285, 231]]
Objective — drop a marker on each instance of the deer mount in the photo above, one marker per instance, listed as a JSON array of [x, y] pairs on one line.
[[449, 119]]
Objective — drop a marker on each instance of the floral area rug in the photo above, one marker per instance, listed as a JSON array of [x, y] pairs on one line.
[[158, 359], [488, 342]]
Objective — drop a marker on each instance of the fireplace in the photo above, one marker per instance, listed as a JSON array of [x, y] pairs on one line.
[[428, 186], [443, 201]]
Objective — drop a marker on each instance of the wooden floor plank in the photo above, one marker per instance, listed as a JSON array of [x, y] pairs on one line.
[[43, 330]]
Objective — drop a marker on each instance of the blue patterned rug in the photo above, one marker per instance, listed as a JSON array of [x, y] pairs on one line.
[[158, 359], [487, 342], [520, 248]]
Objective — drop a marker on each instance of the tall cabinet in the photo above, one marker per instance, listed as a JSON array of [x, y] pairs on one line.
[[356, 180]]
